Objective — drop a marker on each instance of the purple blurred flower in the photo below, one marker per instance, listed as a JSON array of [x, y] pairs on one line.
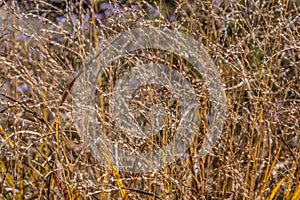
[[154, 11], [73, 35], [104, 6], [76, 73], [116, 8], [107, 13], [135, 7], [24, 38], [185, 156], [33, 51], [24, 123], [5, 36], [73, 18], [110, 8], [201, 68], [2, 50], [99, 16], [278, 105], [228, 30], [61, 20], [139, 23], [111, 179], [217, 3], [23, 88], [86, 17], [208, 116], [118, 11], [172, 18], [59, 38], [86, 27]]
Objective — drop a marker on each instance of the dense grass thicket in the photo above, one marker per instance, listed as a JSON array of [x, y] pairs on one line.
[[256, 47]]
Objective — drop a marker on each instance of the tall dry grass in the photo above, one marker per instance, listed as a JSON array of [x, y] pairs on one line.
[[256, 46]]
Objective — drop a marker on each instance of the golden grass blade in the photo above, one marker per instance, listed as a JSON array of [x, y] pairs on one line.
[[296, 195], [6, 137], [274, 191], [268, 172]]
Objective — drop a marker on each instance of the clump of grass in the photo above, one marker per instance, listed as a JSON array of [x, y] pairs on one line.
[[256, 48]]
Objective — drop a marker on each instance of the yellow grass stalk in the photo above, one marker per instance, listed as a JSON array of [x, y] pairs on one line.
[[274, 191], [296, 195]]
